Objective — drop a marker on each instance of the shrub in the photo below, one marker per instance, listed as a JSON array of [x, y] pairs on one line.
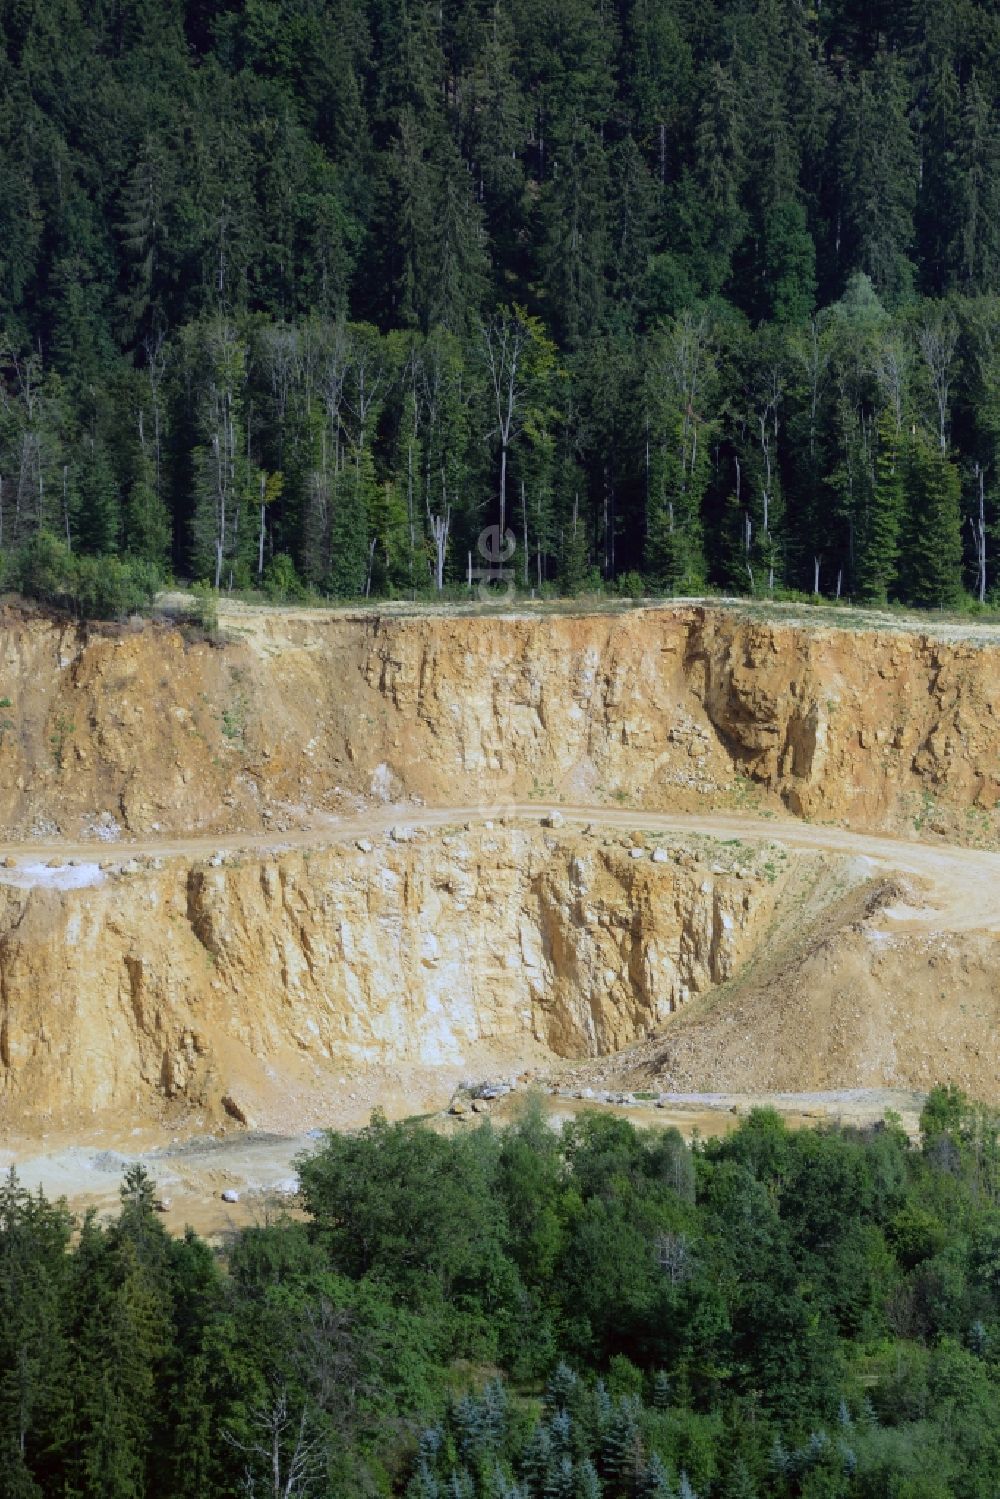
[[282, 583], [94, 587], [631, 586], [46, 569], [205, 607]]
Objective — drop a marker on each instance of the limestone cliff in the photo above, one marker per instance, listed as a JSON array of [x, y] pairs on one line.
[[136, 731], [194, 983]]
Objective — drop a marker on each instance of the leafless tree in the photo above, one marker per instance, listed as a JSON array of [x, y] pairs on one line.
[[892, 364], [937, 340], [503, 343], [977, 523], [440, 525], [284, 1454], [813, 355], [673, 1255]]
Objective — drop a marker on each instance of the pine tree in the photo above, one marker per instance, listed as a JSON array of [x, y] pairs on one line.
[[458, 249], [561, 1480], [978, 205], [423, 1484], [738, 1482], [575, 250], [354, 495], [720, 173], [622, 1458], [34, 1275], [122, 1341], [788, 263], [879, 175], [98, 516], [940, 188], [536, 1462], [631, 230]]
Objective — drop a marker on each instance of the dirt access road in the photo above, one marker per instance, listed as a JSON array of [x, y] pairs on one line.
[[959, 888]]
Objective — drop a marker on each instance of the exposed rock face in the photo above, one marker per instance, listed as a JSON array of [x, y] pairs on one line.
[[143, 987], [176, 983], [670, 708]]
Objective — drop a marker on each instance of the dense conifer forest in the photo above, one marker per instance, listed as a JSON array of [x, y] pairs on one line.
[[528, 1315], [686, 293]]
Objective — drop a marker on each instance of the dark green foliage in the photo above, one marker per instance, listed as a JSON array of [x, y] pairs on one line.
[[932, 565], [879, 528], [92, 586], [250, 258], [794, 1314]]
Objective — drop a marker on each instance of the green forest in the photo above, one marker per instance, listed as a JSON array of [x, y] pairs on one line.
[[528, 1314], [305, 295]]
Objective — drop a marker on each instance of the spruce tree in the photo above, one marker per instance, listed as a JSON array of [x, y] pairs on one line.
[[655, 1482], [560, 1388], [931, 561], [878, 541], [588, 1485], [738, 1482]]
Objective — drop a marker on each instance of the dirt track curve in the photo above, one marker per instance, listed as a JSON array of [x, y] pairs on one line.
[[960, 886]]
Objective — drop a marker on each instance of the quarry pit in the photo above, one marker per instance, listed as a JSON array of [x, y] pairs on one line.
[[260, 884]]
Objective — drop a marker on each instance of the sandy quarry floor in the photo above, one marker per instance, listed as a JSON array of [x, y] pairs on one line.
[[192, 1174], [952, 890]]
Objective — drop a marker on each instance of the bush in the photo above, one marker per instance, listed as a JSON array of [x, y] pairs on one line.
[[112, 587], [93, 587], [205, 607], [631, 586], [282, 583], [46, 570]]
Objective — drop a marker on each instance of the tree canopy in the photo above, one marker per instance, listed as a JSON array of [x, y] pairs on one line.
[[595, 1313], [312, 292]]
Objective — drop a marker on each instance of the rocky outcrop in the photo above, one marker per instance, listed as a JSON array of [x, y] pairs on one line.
[[140, 731], [190, 984]]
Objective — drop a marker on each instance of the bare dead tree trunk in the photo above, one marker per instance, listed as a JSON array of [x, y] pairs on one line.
[[504, 340], [938, 343], [440, 526], [371, 564], [260, 541], [978, 525]]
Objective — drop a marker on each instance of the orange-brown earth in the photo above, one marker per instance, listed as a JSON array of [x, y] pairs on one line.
[[139, 732], [279, 878]]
